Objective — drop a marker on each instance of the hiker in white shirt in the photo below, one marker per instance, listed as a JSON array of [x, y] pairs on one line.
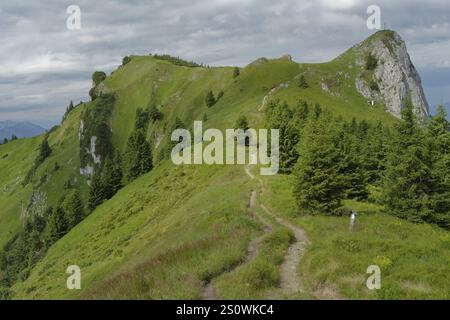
[[352, 220]]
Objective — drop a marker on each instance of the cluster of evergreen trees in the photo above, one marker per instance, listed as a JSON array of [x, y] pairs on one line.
[[13, 137], [40, 231], [211, 100], [332, 159], [417, 175], [96, 123], [43, 229], [176, 60], [110, 176], [69, 109], [106, 181], [44, 153]]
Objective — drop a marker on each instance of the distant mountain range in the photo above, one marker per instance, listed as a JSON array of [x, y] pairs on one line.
[[22, 129]]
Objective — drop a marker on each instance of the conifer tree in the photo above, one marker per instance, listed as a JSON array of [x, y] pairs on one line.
[[351, 164], [438, 137], [73, 208], [97, 192], [138, 155], [318, 183], [407, 179], [210, 99], [241, 123], [302, 82], [142, 119], [57, 226], [155, 114], [374, 150], [302, 111], [117, 173], [44, 151], [317, 110], [236, 72], [280, 116], [107, 173]]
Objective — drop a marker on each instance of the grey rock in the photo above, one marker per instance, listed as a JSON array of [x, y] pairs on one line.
[[395, 74]]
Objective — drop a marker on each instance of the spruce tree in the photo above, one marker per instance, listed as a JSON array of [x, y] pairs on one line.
[[374, 150], [438, 137], [351, 164], [138, 155], [302, 82], [73, 208], [318, 182], [117, 173], [107, 173], [236, 72], [155, 114], [302, 111], [57, 226], [210, 99], [280, 116], [241, 123], [407, 178], [142, 119], [146, 156], [97, 192], [44, 151]]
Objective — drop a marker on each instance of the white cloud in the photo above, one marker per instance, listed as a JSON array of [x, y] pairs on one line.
[[338, 4]]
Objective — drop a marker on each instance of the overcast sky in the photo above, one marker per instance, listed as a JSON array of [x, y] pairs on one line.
[[44, 65]]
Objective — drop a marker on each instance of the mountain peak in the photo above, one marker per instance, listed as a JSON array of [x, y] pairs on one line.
[[21, 129], [392, 78]]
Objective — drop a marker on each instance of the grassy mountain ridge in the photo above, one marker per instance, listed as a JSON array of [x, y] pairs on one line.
[[173, 229]]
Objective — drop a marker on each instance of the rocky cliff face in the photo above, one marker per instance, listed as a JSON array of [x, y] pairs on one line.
[[394, 80]]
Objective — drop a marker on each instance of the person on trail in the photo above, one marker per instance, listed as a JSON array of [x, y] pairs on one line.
[[352, 220]]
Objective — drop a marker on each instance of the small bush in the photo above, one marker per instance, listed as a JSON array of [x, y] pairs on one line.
[[125, 60], [176, 60], [374, 86], [236, 72], [210, 99], [371, 62], [98, 76], [302, 82], [5, 294]]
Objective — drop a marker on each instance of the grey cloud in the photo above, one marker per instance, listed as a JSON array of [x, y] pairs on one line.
[[45, 65]]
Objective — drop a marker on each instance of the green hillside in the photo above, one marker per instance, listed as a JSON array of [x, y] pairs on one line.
[[174, 230]]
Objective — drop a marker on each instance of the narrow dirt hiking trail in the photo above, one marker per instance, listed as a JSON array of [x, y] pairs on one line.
[[290, 283], [209, 292], [289, 279]]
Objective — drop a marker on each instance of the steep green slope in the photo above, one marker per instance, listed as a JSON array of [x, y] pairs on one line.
[[16, 157], [159, 237]]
